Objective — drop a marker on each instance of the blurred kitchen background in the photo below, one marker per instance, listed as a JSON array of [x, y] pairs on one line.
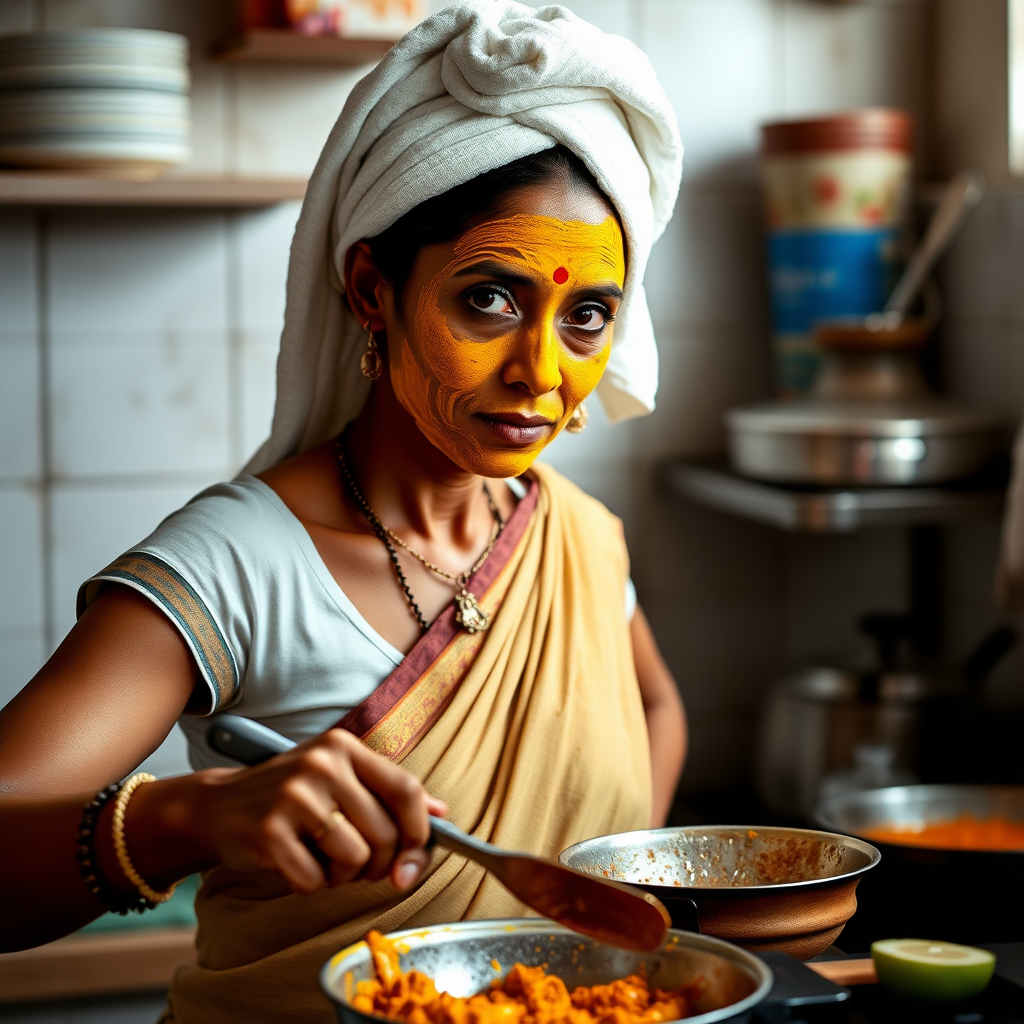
[[137, 343]]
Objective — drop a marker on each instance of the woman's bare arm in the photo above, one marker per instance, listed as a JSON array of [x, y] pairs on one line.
[[104, 702], [100, 706], [665, 714]]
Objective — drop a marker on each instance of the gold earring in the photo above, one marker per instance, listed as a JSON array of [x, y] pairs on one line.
[[370, 362], [578, 420]]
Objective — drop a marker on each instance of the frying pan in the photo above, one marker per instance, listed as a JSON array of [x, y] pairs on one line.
[[969, 896], [785, 889], [465, 958]]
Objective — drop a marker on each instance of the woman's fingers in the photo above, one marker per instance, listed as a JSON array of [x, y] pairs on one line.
[[328, 812], [291, 858], [362, 810], [408, 867], [348, 850], [402, 793]]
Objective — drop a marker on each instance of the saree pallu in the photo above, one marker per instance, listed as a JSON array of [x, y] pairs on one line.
[[533, 732]]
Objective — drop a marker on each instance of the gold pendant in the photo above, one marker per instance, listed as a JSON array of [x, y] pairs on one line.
[[370, 364], [468, 613]]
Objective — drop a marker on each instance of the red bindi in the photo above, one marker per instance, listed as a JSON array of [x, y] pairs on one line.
[[561, 275]]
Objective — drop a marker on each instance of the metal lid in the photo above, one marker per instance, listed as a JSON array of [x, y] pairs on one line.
[[877, 128]]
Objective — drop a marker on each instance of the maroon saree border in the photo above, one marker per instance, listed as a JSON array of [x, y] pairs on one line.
[[363, 717]]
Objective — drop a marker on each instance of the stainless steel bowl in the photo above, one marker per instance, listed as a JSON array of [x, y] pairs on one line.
[[917, 806], [966, 896], [784, 889], [464, 958], [816, 441]]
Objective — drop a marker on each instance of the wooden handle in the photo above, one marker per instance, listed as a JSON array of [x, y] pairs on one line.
[[846, 972]]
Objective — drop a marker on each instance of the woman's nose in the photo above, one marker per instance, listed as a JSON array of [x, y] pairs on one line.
[[533, 363]]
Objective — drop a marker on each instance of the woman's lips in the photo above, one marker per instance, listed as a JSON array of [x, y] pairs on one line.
[[518, 429]]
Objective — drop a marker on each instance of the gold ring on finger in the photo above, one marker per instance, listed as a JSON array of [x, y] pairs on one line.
[[328, 825]]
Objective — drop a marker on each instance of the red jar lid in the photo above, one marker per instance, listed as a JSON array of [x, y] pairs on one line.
[[876, 128]]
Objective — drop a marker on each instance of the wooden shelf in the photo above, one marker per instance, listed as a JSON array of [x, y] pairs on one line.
[[130, 961], [282, 46], [53, 188]]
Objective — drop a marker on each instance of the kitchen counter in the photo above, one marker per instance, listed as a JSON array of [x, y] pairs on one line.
[[126, 961]]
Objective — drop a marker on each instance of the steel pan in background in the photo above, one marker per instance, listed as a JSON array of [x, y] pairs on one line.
[[967, 896], [461, 959], [856, 444], [869, 420], [784, 889], [816, 719]]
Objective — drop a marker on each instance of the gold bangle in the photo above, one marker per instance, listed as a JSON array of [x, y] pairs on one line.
[[121, 847]]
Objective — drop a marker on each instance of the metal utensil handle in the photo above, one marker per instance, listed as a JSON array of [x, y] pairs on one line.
[[962, 194], [795, 984], [445, 834], [245, 741]]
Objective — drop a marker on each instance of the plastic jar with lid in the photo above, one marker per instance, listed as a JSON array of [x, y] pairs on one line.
[[836, 192]]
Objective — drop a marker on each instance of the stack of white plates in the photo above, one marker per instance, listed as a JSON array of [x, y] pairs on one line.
[[95, 99]]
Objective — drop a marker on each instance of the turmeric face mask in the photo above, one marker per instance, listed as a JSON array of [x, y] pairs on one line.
[[503, 333]]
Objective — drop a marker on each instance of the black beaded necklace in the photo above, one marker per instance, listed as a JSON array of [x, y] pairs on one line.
[[468, 612]]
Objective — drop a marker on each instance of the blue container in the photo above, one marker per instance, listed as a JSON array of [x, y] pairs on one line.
[[821, 274], [836, 195]]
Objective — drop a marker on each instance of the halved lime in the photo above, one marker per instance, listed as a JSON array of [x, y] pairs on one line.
[[920, 969]]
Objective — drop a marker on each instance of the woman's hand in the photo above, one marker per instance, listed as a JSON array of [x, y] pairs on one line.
[[283, 816]]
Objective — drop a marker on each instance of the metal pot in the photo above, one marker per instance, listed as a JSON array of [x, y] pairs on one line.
[[883, 725], [465, 958], [818, 720], [786, 889], [957, 895], [869, 419]]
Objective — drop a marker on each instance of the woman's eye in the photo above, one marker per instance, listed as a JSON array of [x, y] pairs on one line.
[[589, 318], [489, 300]]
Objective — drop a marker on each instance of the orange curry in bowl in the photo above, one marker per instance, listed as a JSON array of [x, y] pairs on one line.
[[965, 832], [526, 995]]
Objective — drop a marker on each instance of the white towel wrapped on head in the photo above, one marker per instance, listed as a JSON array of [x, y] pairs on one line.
[[475, 87]]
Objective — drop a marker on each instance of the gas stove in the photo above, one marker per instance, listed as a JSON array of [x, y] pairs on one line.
[[1001, 1003]]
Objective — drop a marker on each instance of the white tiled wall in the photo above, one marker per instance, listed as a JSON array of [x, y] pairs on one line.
[[159, 338], [93, 523], [715, 59], [22, 611], [857, 55]]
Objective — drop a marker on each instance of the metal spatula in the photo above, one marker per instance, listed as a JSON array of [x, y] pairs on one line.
[[612, 912]]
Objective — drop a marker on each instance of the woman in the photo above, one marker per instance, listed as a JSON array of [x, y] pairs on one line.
[[466, 270]]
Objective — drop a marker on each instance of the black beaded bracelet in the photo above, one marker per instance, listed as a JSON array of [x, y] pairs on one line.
[[115, 901]]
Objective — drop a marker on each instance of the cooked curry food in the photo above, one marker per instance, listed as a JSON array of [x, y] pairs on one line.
[[963, 833], [526, 995]]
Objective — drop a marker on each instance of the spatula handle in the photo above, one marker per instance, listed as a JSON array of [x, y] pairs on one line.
[[244, 740], [445, 834]]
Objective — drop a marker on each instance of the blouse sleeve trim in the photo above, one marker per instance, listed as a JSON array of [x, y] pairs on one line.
[[169, 590]]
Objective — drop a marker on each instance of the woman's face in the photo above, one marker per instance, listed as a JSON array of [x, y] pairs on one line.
[[503, 332]]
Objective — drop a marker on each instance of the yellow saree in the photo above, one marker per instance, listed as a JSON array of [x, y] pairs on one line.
[[533, 732]]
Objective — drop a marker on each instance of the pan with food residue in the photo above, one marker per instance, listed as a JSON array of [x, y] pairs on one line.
[[785, 889], [717, 981], [953, 861]]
